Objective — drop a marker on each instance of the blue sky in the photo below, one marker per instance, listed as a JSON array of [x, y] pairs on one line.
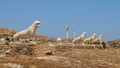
[[92, 16]]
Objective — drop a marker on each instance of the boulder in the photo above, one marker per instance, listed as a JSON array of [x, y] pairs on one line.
[[48, 53], [7, 51], [58, 39], [2, 56]]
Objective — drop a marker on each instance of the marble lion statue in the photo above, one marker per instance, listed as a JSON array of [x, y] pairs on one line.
[[80, 38], [98, 40], [90, 39], [30, 30]]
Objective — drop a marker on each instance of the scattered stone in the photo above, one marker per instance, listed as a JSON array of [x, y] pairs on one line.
[[52, 45], [48, 53], [53, 58], [2, 56], [11, 65], [59, 39], [2, 35], [7, 51], [33, 42], [8, 39], [23, 50], [2, 41]]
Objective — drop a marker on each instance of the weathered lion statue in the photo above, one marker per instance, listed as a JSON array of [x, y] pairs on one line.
[[30, 30]]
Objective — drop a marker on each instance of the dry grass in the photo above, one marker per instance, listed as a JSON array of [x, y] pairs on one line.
[[7, 32], [70, 57], [77, 58]]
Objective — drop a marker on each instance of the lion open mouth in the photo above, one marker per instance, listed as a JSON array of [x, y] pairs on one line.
[[37, 24]]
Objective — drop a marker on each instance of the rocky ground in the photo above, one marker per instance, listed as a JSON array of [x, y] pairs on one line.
[[45, 52]]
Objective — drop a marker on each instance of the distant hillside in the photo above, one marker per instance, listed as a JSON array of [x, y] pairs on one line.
[[114, 43], [7, 31]]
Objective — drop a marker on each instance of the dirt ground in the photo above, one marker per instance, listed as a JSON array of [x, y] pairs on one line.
[[64, 57], [68, 56]]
